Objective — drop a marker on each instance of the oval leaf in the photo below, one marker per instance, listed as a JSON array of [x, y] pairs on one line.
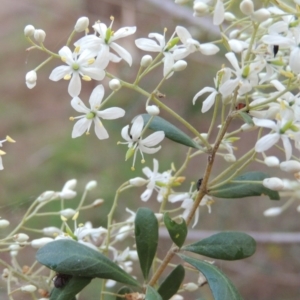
[[71, 288], [146, 237], [225, 245], [239, 189], [172, 283], [72, 258], [246, 118], [171, 132], [221, 287], [177, 231], [152, 294]]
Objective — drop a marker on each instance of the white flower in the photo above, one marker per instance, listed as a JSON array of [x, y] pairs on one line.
[[93, 114], [150, 45], [77, 65], [81, 24], [137, 143], [281, 130], [100, 46], [190, 45]]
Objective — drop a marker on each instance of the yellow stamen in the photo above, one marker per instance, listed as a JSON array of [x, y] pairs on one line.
[[9, 139], [86, 78], [67, 77]]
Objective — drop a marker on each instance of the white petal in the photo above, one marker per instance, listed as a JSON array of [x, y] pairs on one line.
[[204, 90], [149, 150], [219, 13], [122, 52], [209, 102], [125, 135], [168, 63], [60, 72], [123, 32], [111, 113], [148, 45], [137, 127], [183, 34], [96, 97], [287, 146], [94, 73], [80, 127], [233, 60], [153, 139], [100, 131], [146, 195], [209, 49], [294, 61], [264, 123], [266, 142], [66, 53], [74, 87], [79, 106]]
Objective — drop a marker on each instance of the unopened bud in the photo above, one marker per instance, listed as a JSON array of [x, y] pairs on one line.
[[81, 24], [273, 183], [180, 65], [39, 35], [229, 17], [247, 7], [21, 237], [28, 288], [229, 157], [29, 30], [290, 166], [31, 78], [200, 8], [3, 223], [70, 184], [38, 243], [152, 110], [114, 84], [46, 196], [68, 213], [261, 15], [272, 212], [98, 202], [138, 181], [52, 231], [190, 287], [146, 61], [91, 185], [272, 161]]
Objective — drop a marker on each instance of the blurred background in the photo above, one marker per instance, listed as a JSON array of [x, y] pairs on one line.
[[45, 156]]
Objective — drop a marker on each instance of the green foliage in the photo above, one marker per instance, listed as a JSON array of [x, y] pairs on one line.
[[146, 237], [171, 284], [72, 258], [177, 231], [225, 245], [239, 189], [171, 132], [221, 287], [152, 294]]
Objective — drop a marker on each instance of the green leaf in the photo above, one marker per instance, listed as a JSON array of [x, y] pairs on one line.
[[225, 245], [69, 257], [248, 189], [146, 237], [152, 294], [171, 132], [246, 118], [123, 291], [221, 287], [172, 283], [71, 289], [177, 231]]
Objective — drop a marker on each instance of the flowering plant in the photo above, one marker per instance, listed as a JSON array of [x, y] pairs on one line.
[[262, 50]]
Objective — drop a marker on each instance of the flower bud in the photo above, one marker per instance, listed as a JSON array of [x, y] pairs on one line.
[[52, 231], [247, 7], [272, 161], [29, 30], [190, 287], [229, 157], [229, 17], [98, 202], [114, 84], [13, 253], [31, 78], [39, 35], [3, 223], [146, 60], [28, 288], [14, 247], [70, 184], [261, 15], [21, 237], [273, 183], [91, 185], [290, 166], [200, 9], [152, 110], [234, 34], [68, 213], [180, 65], [81, 24], [138, 181], [46, 196], [272, 212], [247, 127], [38, 243]]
